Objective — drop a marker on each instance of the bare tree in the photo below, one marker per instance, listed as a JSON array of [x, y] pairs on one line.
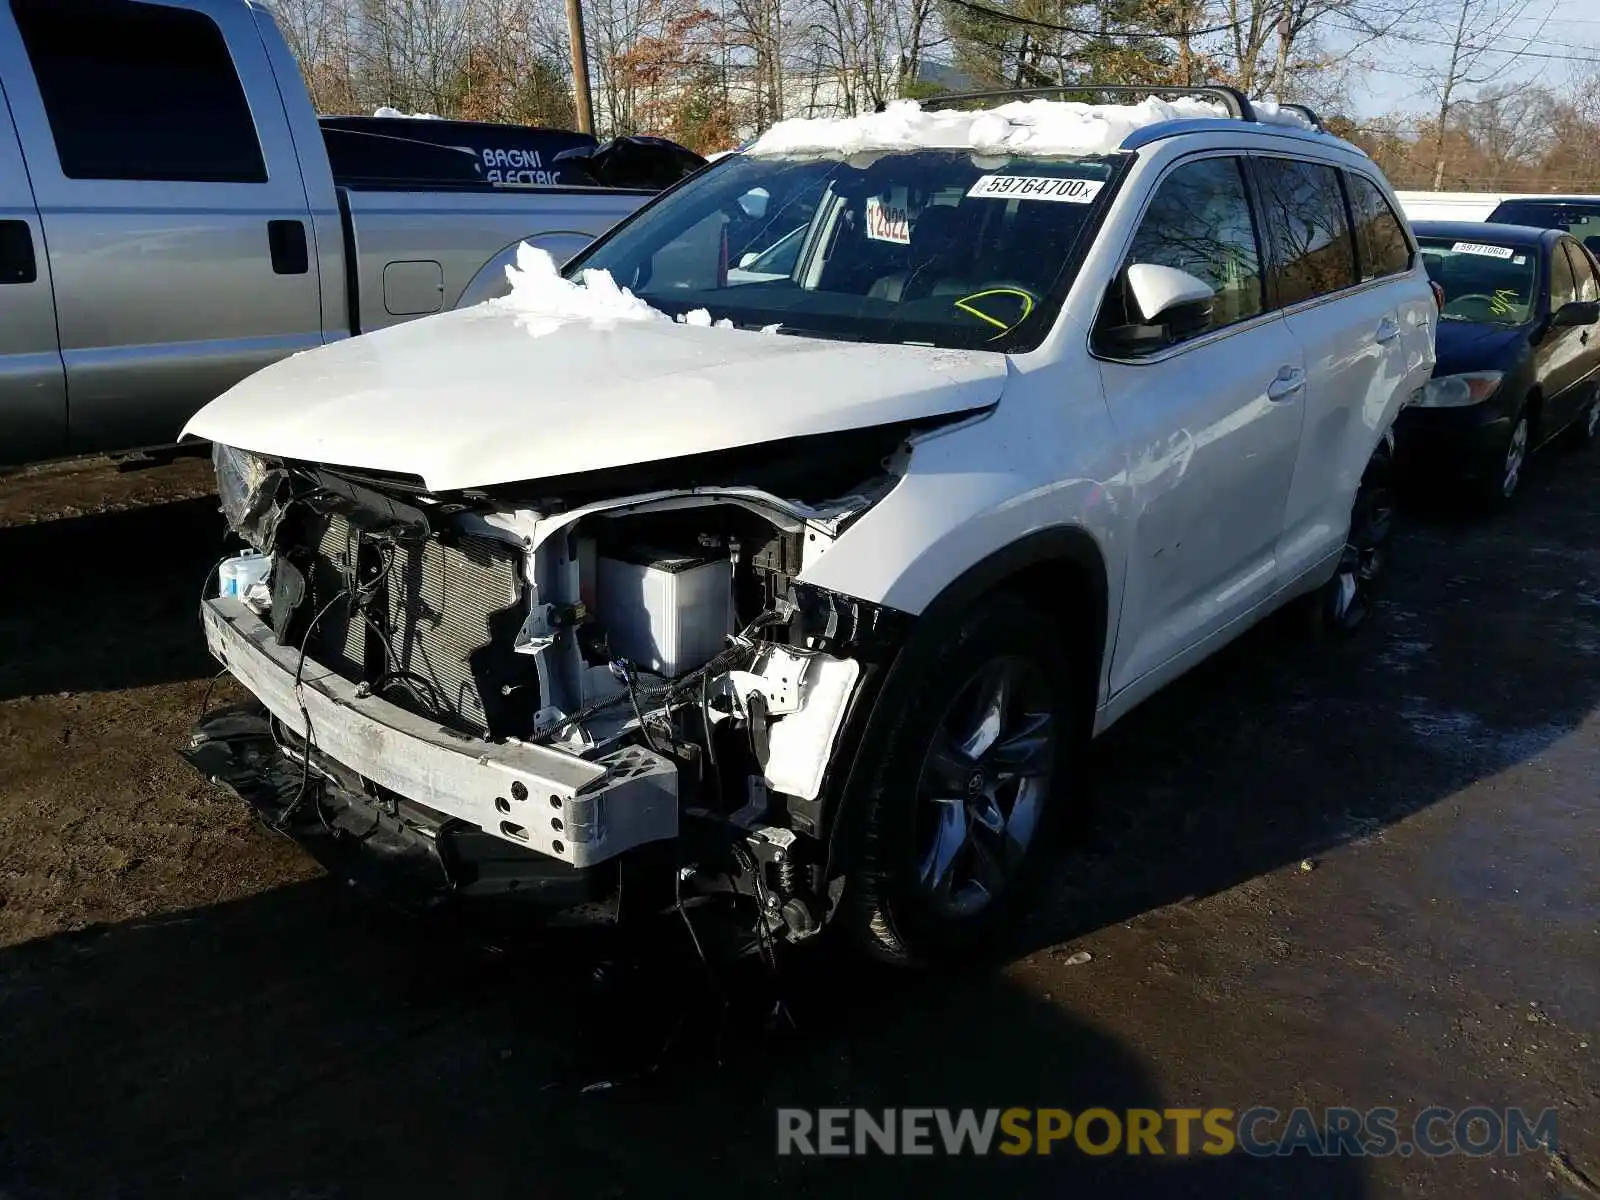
[[1481, 52]]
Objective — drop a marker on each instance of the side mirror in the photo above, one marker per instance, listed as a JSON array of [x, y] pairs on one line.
[[1157, 290], [748, 258], [754, 202], [1578, 312], [1172, 306]]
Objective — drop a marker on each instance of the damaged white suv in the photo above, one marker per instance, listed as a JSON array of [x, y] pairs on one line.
[[783, 551]]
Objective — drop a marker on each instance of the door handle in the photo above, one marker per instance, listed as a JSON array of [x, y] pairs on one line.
[[1289, 381], [17, 262], [1387, 331], [286, 240]]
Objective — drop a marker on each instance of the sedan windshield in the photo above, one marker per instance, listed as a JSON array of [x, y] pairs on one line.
[[1483, 281], [933, 247]]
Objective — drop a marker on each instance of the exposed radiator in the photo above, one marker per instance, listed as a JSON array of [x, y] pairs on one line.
[[439, 610]]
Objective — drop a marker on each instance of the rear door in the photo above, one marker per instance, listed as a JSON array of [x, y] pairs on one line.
[[33, 394], [1349, 329], [172, 204]]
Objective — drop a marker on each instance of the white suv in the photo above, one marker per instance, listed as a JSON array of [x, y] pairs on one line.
[[798, 593]]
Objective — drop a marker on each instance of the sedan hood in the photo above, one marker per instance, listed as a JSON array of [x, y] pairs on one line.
[[1477, 346], [480, 397]]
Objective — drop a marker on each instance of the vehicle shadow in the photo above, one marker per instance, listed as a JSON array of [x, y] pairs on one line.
[[302, 1044], [108, 600], [1485, 651]]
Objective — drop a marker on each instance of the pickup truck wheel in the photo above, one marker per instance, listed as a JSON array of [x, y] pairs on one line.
[[962, 806], [1344, 604]]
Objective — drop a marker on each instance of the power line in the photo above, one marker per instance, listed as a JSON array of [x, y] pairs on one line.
[[1524, 53], [998, 15]]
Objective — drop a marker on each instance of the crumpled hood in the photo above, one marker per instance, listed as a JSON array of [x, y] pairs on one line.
[[476, 397]]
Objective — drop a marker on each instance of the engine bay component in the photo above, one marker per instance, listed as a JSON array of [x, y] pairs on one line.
[[642, 684], [419, 620], [667, 613]]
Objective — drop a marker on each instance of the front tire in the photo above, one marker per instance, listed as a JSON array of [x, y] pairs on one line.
[[1499, 486], [1585, 430], [963, 804]]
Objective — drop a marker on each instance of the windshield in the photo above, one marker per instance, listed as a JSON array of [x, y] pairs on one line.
[[1482, 281], [1580, 220], [933, 247]]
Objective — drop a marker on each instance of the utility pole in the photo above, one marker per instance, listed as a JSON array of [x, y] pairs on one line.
[[580, 67]]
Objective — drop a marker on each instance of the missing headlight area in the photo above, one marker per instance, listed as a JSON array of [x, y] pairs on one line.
[[635, 683]]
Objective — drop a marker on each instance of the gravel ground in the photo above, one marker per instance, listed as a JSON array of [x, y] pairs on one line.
[[1359, 875]]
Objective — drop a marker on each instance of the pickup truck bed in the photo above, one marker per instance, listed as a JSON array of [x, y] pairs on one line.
[[170, 220]]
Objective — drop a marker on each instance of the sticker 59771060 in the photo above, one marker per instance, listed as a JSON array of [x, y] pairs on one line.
[[1480, 248], [1036, 187]]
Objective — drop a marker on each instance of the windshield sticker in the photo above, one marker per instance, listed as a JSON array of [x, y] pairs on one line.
[[888, 222], [1486, 251], [1035, 187]]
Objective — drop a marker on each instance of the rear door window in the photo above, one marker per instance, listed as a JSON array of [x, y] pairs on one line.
[[140, 92], [1381, 240], [1303, 209]]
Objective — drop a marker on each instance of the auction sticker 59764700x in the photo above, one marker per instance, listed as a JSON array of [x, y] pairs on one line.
[[1036, 187]]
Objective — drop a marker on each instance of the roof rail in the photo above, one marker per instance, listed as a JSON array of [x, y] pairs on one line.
[[1306, 111], [1232, 99]]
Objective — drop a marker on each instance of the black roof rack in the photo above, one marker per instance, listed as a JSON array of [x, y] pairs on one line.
[[1306, 111], [1232, 99]]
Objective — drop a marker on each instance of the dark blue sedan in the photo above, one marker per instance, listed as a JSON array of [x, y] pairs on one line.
[[1518, 355]]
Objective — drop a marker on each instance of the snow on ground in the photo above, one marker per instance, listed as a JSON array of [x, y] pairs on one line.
[[1020, 127]]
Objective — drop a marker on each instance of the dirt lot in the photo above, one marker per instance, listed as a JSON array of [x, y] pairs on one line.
[[188, 1008]]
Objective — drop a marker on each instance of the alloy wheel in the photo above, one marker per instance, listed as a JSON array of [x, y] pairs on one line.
[[983, 786], [1516, 457], [1365, 555]]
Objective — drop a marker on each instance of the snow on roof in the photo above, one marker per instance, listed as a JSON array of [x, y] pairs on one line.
[[1019, 127], [386, 111]]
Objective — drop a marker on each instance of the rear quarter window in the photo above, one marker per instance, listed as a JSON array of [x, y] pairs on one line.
[[1381, 243]]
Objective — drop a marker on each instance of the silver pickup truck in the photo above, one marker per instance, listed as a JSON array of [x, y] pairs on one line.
[[174, 217]]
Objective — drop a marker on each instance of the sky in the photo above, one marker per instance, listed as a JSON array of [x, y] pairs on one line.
[[1571, 30]]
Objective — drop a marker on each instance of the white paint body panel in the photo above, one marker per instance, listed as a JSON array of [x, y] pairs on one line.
[[473, 398], [1209, 502]]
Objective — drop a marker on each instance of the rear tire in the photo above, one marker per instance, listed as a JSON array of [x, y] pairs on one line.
[[1345, 603], [965, 800]]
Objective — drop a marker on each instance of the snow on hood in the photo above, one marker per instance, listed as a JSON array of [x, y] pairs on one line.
[[544, 300], [1020, 127], [467, 399]]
